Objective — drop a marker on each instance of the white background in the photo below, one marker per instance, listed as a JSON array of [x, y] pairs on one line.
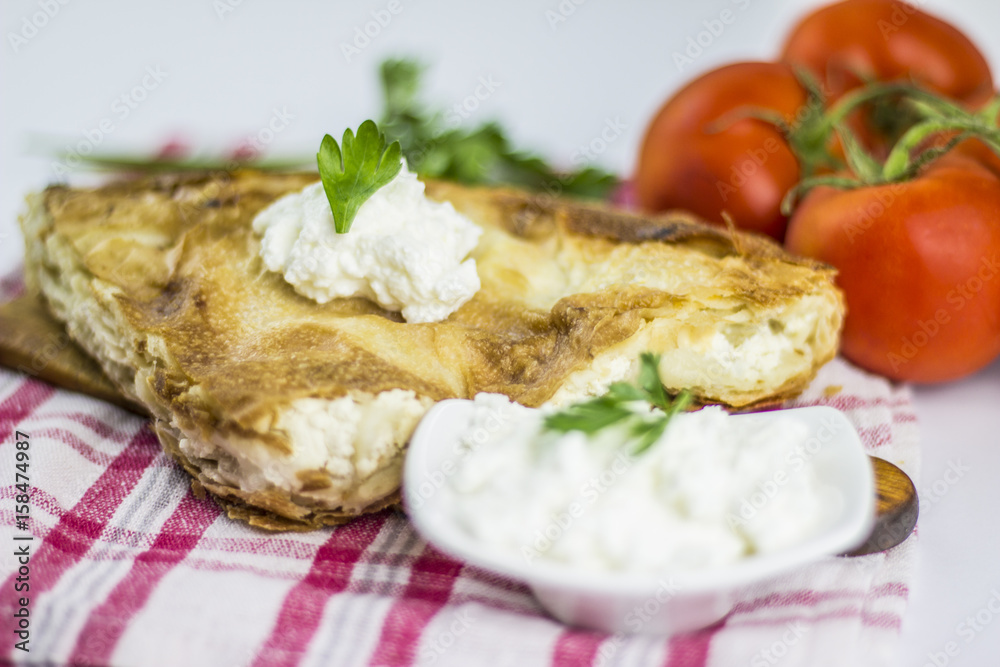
[[226, 72]]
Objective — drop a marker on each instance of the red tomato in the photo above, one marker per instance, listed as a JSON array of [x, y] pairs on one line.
[[919, 263], [888, 40], [697, 156], [977, 150]]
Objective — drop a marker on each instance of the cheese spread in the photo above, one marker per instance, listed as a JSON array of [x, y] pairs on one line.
[[712, 490], [404, 251]]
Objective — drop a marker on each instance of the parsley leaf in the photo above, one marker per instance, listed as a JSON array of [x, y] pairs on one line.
[[647, 432], [350, 177], [618, 406], [649, 380], [434, 147], [590, 416]]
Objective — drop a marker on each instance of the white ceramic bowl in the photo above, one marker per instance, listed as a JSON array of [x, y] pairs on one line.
[[663, 603]]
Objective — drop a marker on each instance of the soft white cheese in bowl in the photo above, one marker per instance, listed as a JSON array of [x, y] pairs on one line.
[[718, 502]]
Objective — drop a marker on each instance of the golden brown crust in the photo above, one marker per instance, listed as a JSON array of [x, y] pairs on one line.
[[224, 346]]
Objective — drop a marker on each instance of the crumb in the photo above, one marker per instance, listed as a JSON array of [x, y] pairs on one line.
[[832, 390]]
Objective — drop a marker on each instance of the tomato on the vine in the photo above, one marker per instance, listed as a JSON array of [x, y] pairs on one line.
[[703, 153], [919, 263], [888, 40], [848, 43]]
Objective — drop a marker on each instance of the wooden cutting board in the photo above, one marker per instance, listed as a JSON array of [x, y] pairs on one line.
[[34, 343]]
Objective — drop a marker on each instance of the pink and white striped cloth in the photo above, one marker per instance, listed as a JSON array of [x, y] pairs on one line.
[[129, 568]]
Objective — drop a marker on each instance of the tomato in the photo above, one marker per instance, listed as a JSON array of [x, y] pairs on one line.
[[697, 155], [977, 150], [919, 263], [844, 43], [888, 40]]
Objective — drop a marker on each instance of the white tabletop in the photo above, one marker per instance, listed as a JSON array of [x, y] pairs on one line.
[[119, 74]]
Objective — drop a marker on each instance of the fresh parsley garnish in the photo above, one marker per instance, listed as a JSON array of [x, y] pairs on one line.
[[352, 175], [618, 406], [436, 146]]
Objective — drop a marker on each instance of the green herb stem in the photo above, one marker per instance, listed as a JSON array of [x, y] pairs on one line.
[[618, 406]]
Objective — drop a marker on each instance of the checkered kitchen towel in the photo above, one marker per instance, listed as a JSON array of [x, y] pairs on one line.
[[127, 567]]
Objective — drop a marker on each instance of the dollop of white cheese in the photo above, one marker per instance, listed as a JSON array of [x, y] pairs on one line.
[[711, 491], [403, 251]]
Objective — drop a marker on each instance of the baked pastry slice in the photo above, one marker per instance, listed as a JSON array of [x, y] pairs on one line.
[[295, 414]]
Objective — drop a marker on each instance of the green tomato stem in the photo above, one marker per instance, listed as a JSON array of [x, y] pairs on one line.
[[860, 161], [807, 184], [852, 100], [990, 113], [900, 163]]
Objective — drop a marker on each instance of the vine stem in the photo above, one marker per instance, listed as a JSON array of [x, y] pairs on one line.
[[807, 184], [900, 163]]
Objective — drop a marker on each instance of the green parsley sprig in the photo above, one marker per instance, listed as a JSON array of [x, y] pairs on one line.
[[436, 145], [350, 177], [618, 406]]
